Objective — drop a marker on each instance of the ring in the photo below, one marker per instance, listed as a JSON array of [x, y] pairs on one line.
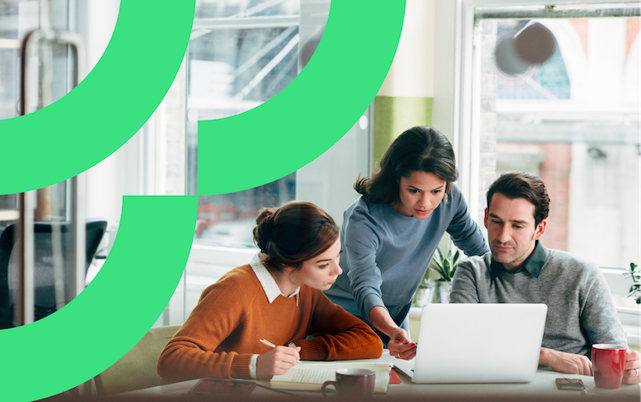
[[636, 372]]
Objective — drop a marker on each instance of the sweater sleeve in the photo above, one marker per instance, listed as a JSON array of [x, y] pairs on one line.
[[599, 317], [464, 288], [337, 334], [361, 246], [465, 233], [191, 352]]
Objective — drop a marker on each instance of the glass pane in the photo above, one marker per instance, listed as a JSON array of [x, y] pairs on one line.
[[245, 8], [50, 77], [232, 70], [574, 121]]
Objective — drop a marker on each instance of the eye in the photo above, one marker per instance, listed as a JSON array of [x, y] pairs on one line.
[[413, 190], [496, 222], [436, 191], [324, 265], [518, 226]]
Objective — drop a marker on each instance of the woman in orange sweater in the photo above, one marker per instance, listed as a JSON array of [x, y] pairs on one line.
[[279, 297]]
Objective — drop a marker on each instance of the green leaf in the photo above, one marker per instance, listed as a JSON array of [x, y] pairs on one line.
[[457, 256]]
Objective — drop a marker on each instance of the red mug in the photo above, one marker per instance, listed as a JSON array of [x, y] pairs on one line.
[[608, 364], [353, 383]]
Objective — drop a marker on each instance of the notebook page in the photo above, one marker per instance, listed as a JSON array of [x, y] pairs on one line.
[[318, 373]]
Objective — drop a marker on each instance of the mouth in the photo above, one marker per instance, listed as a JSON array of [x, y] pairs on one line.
[[502, 249], [332, 282], [422, 211]]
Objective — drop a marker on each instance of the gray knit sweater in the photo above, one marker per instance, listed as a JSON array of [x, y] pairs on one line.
[[580, 308]]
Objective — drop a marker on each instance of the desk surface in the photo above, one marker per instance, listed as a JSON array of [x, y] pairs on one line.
[[543, 387]]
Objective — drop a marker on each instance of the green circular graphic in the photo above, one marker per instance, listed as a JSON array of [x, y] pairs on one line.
[[113, 313], [314, 111], [107, 107]]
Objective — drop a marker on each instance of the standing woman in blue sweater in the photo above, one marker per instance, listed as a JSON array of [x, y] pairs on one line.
[[391, 232]]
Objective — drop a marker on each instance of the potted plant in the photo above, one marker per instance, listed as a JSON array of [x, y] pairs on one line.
[[635, 289], [445, 266], [425, 291]]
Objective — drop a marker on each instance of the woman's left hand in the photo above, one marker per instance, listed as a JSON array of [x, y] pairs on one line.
[[632, 374], [400, 346]]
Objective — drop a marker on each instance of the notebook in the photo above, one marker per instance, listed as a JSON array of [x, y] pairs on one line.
[[306, 376], [478, 343]]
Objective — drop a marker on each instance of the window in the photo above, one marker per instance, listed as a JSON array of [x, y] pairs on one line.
[[573, 120], [242, 53]]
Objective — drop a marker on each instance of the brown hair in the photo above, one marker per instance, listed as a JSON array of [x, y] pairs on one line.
[[294, 233], [419, 149], [523, 185]]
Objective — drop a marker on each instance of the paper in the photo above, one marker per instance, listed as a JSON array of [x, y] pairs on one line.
[[311, 376]]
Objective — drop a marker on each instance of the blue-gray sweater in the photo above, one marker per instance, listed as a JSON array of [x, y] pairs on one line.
[[384, 254]]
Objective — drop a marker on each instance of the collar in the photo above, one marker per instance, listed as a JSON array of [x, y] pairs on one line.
[[532, 264], [272, 291]]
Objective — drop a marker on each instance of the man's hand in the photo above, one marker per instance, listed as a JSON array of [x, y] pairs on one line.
[[401, 347], [565, 362], [277, 361], [632, 374]]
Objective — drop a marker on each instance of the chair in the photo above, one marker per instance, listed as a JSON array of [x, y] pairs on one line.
[[136, 369], [46, 258]]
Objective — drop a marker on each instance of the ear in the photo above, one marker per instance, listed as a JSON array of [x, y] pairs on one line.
[[485, 219], [540, 229]]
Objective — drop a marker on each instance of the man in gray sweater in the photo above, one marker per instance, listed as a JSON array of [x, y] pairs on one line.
[[519, 269]]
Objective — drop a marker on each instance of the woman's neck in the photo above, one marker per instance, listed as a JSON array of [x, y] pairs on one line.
[[282, 279]]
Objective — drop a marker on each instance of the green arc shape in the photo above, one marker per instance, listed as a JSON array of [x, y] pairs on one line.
[[113, 313], [313, 111], [108, 107]]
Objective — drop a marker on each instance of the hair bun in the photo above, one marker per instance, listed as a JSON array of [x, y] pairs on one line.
[[264, 229]]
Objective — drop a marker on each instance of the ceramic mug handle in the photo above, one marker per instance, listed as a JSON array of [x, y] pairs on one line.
[[327, 383]]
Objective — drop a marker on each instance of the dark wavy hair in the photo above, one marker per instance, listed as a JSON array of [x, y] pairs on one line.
[[522, 185], [294, 233], [419, 149]]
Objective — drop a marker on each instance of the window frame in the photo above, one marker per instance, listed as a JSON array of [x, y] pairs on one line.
[[454, 102]]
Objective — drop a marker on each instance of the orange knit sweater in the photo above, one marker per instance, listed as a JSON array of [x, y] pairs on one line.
[[223, 331]]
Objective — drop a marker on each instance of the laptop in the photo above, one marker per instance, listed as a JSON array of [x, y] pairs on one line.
[[478, 343]]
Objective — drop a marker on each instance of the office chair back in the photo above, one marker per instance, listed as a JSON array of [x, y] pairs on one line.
[[53, 250], [136, 369]]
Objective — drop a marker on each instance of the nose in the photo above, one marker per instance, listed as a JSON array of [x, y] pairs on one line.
[[337, 269], [504, 234], [426, 201]]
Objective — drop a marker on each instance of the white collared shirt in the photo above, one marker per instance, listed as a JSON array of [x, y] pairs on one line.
[[272, 291]]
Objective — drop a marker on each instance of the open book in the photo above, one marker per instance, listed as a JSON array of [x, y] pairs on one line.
[[311, 376]]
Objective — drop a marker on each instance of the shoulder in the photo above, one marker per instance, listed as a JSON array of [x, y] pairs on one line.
[[570, 264], [455, 199], [479, 264], [240, 282], [363, 213]]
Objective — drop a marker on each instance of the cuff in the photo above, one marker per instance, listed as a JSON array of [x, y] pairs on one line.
[[369, 302], [240, 366], [252, 367], [310, 349]]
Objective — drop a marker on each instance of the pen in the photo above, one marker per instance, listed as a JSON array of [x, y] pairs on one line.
[[268, 343], [271, 345]]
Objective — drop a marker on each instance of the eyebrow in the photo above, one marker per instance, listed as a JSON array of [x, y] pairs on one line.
[[327, 259], [414, 187], [516, 221]]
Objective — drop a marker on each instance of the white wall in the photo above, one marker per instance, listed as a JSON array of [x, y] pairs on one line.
[[412, 71], [117, 175]]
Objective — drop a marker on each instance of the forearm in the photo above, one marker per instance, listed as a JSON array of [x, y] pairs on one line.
[[180, 362], [382, 320], [356, 342], [338, 335], [545, 355]]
